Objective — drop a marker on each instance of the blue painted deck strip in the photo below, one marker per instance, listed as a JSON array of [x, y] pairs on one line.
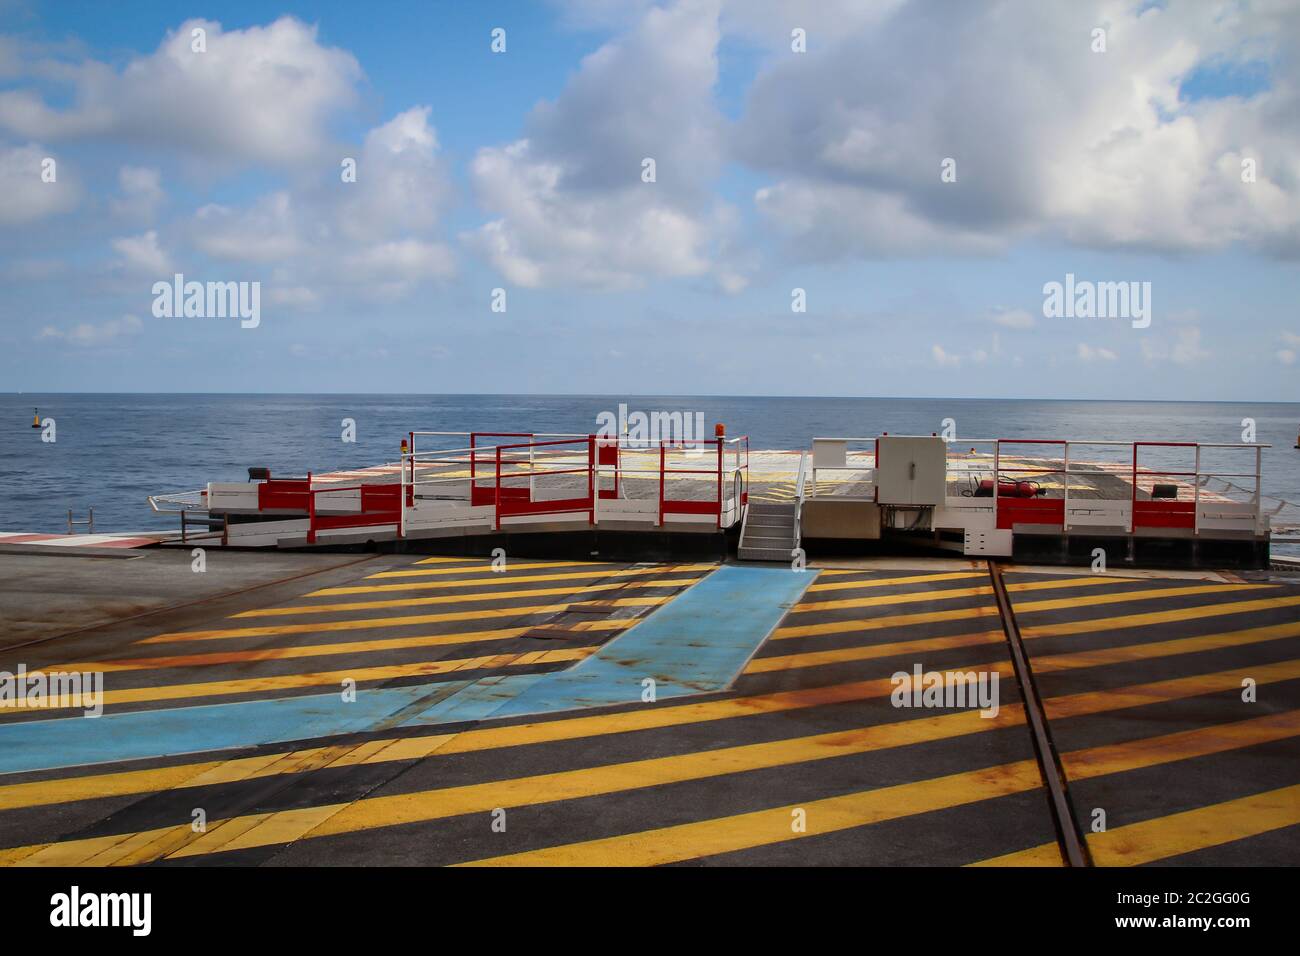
[[696, 644], [80, 741]]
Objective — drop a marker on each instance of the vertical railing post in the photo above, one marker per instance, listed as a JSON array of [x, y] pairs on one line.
[[498, 490], [719, 482], [997, 467], [662, 463], [1133, 508], [1196, 493], [593, 482], [311, 512], [1065, 512]]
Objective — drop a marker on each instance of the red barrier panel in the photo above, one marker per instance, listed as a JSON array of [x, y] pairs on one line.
[[1014, 511], [288, 494]]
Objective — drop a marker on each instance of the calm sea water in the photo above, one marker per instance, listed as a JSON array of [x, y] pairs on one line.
[[113, 450]]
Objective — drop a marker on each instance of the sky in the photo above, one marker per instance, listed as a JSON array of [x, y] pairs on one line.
[[696, 197]]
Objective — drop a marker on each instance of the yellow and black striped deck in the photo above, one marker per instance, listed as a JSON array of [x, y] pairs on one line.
[[804, 759]]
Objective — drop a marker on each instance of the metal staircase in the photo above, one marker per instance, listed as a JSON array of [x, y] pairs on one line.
[[770, 531]]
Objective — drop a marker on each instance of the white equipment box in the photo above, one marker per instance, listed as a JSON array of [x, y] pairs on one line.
[[911, 471]]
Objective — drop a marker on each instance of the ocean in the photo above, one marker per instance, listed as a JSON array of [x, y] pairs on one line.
[[113, 450]]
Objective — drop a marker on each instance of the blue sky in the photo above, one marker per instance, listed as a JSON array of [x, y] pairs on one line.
[[776, 170]]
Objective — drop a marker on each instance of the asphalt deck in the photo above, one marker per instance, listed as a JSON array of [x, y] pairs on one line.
[[507, 716]]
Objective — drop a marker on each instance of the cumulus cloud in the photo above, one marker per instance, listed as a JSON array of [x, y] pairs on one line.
[[26, 197], [402, 185], [142, 255], [263, 94], [1047, 136], [569, 197]]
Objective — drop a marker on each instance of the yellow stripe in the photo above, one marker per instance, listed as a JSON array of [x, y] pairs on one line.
[[766, 827], [1197, 829], [1046, 854], [572, 784], [407, 808], [1074, 627], [1182, 645], [1197, 685], [410, 620], [478, 567], [1092, 658], [402, 748], [880, 600], [329, 650], [877, 623], [1195, 612], [506, 578], [784, 662], [359, 674], [459, 598], [1114, 758], [885, 582]]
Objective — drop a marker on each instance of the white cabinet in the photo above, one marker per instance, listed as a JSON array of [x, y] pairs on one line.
[[911, 471]]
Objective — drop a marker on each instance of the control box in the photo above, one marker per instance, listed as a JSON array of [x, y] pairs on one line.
[[911, 470]]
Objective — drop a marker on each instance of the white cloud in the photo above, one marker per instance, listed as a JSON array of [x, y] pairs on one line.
[[262, 94], [91, 335], [142, 255], [1286, 356], [943, 358], [401, 185], [26, 197], [265, 232], [141, 192], [1048, 137], [569, 198], [1014, 318], [1087, 353]]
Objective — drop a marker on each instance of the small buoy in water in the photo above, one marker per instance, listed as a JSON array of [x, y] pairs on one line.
[[36, 420]]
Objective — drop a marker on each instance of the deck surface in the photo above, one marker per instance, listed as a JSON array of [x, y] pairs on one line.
[[503, 718]]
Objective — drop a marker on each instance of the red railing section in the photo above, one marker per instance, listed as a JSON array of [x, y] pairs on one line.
[[1162, 512]]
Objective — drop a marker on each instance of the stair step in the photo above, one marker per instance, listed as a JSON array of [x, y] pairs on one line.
[[765, 554]]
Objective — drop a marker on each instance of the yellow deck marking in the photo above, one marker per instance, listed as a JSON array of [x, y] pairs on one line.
[[407, 620], [249, 685], [1113, 758], [404, 748], [1117, 597], [329, 650], [409, 807], [479, 566], [1164, 617], [1045, 854], [393, 810], [766, 827], [1090, 658], [504, 579], [459, 598], [878, 623], [744, 831], [931, 617], [1197, 685], [842, 655], [1182, 645], [886, 582], [1197, 829]]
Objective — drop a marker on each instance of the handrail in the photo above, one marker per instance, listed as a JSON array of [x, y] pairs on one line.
[[798, 501]]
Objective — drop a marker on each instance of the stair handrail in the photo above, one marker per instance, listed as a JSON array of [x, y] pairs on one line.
[[798, 500]]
